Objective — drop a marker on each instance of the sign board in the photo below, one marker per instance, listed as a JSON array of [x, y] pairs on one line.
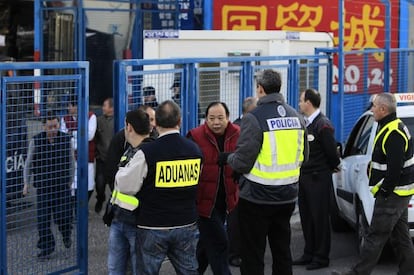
[[364, 28]]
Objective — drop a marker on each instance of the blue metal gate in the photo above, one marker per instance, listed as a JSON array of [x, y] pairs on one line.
[[22, 217], [200, 81]]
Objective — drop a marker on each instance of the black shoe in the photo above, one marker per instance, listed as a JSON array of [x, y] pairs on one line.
[[44, 254], [67, 242], [235, 261], [302, 261], [316, 265], [98, 206]]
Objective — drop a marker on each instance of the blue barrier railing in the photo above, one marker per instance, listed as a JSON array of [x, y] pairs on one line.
[[51, 83], [221, 81]]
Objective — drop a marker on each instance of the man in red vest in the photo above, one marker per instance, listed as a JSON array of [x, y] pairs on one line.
[[69, 125], [217, 193]]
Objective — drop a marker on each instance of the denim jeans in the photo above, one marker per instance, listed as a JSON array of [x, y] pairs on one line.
[[178, 244], [121, 244]]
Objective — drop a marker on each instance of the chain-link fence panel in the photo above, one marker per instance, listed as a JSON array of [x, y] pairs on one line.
[[40, 223]]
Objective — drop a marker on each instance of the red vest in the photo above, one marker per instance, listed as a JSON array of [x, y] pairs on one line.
[[209, 179], [72, 125]]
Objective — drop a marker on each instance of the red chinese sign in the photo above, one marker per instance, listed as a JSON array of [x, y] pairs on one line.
[[364, 28]]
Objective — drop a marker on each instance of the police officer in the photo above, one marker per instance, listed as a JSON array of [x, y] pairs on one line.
[[392, 177], [269, 153], [315, 183]]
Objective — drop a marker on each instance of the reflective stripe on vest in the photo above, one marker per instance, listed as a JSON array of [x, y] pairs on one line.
[[280, 158], [383, 167], [405, 190], [124, 201]]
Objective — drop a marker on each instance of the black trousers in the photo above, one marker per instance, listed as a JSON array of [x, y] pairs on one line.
[[258, 222], [100, 181], [314, 203], [212, 246], [58, 206], [233, 232], [389, 221]]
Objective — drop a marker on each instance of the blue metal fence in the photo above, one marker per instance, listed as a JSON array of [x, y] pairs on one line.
[[203, 80], [366, 72], [199, 81], [23, 217]]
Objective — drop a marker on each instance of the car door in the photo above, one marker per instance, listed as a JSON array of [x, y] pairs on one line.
[[356, 157]]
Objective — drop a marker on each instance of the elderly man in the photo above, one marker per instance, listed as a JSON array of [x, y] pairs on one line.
[[217, 193]]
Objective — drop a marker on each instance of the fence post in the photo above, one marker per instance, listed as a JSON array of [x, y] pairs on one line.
[[293, 82], [247, 76], [120, 94], [3, 220], [82, 171], [191, 100], [338, 100], [387, 58], [329, 84]]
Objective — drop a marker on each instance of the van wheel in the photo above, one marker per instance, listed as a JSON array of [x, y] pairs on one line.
[[338, 224], [361, 225]]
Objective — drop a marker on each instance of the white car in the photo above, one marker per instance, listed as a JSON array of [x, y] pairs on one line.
[[353, 203]]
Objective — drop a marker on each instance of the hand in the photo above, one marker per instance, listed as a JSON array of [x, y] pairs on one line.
[[222, 158], [25, 189], [236, 176]]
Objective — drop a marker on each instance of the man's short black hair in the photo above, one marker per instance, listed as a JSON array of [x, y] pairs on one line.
[[270, 80], [50, 115], [176, 83], [168, 114], [139, 121], [149, 90], [215, 103], [73, 100], [110, 101], [313, 96]]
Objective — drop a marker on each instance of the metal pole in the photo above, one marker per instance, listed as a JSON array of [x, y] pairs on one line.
[[82, 168], [3, 211], [338, 104], [387, 57], [38, 33], [208, 14]]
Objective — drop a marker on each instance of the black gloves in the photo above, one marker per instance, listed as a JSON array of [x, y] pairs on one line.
[[383, 192], [236, 176], [222, 158]]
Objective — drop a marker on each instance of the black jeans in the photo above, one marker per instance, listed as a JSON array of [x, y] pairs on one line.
[[212, 247], [258, 221], [389, 221], [58, 206]]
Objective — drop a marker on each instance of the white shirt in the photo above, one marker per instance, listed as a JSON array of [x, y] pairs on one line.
[[312, 117]]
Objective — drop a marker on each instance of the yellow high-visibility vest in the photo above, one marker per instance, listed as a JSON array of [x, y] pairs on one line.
[[405, 190], [280, 158]]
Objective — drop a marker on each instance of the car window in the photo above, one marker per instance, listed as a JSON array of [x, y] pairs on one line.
[[409, 122], [358, 139]]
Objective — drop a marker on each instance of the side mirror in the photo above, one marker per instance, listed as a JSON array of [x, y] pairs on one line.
[[339, 149]]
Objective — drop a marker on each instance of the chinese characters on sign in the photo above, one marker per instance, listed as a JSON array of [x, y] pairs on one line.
[[244, 17], [364, 28]]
